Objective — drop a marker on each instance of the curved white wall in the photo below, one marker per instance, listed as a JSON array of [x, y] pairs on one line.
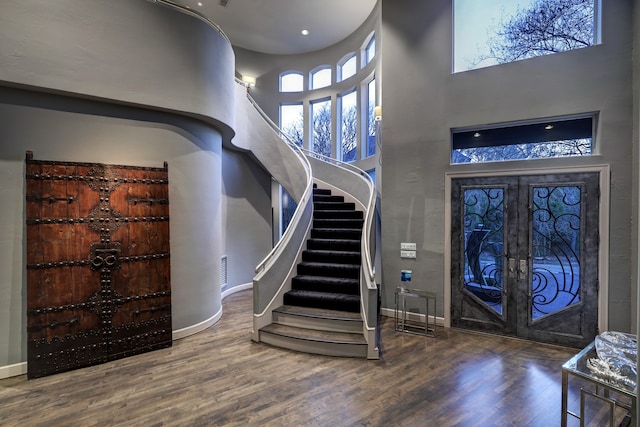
[[132, 83], [129, 51]]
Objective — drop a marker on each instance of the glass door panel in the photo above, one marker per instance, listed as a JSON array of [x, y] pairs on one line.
[[555, 248], [483, 245]]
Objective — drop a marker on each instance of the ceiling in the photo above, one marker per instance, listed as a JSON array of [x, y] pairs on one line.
[[274, 26]]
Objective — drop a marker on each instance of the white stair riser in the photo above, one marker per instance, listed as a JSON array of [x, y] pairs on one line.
[[321, 324], [315, 347]]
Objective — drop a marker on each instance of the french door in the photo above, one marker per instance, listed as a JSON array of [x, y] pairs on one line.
[[525, 256]]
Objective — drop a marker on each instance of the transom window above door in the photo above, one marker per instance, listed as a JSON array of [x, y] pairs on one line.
[[548, 138]]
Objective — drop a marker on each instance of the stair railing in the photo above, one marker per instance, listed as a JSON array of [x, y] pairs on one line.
[[368, 287], [274, 272], [193, 13], [295, 220]]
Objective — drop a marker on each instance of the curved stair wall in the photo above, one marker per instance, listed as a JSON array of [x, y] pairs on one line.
[[288, 165]]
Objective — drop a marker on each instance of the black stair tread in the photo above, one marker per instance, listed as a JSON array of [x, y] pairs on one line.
[[341, 230], [333, 256], [334, 206], [314, 335], [353, 218], [327, 198], [357, 222], [332, 252], [337, 241], [317, 264], [327, 279], [319, 313]]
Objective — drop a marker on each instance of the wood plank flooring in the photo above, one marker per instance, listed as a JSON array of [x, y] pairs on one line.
[[219, 377]]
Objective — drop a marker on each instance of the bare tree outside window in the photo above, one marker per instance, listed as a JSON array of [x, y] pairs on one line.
[[542, 28], [292, 122], [538, 150], [321, 127], [348, 130]]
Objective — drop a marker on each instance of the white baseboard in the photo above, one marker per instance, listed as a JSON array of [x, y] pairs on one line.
[[199, 327], [237, 288], [13, 370], [390, 312]]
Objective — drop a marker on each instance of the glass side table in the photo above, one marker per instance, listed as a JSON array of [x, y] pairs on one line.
[[402, 324], [577, 366]]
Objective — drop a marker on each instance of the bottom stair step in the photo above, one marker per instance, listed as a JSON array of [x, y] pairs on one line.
[[318, 318], [314, 341]]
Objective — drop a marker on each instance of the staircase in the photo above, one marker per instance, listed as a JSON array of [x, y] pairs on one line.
[[321, 312]]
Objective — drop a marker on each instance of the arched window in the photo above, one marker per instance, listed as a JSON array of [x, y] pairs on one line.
[[346, 67], [369, 50], [291, 81], [320, 77]]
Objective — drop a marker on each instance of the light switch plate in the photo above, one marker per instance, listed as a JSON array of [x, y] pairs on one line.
[[407, 254], [407, 246]]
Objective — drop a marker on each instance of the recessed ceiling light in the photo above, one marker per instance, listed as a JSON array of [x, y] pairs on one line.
[[304, 32], [476, 135], [548, 127], [199, 3]]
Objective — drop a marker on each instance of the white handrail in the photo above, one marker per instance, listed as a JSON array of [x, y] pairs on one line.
[[193, 13], [286, 237]]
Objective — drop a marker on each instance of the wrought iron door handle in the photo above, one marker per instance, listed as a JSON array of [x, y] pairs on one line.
[[512, 268], [523, 269]]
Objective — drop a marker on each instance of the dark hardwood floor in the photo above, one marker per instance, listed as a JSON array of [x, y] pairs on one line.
[[219, 377]]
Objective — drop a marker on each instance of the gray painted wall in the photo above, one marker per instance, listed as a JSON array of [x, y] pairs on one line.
[[423, 100], [246, 190], [128, 51]]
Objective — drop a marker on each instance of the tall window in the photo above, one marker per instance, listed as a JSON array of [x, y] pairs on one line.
[[346, 67], [537, 140], [370, 103], [490, 32], [288, 208], [292, 122], [292, 81], [320, 78], [369, 51], [321, 127], [348, 130]]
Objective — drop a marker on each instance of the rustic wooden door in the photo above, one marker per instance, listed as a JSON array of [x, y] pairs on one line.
[[98, 268]]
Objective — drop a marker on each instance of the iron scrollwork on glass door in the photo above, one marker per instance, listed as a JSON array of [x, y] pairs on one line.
[[555, 249], [483, 245]]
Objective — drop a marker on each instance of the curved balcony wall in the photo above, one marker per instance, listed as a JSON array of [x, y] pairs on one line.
[[123, 82], [134, 52]]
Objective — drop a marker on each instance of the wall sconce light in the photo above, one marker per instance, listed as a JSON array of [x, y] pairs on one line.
[[377, 113], [249, 81]]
